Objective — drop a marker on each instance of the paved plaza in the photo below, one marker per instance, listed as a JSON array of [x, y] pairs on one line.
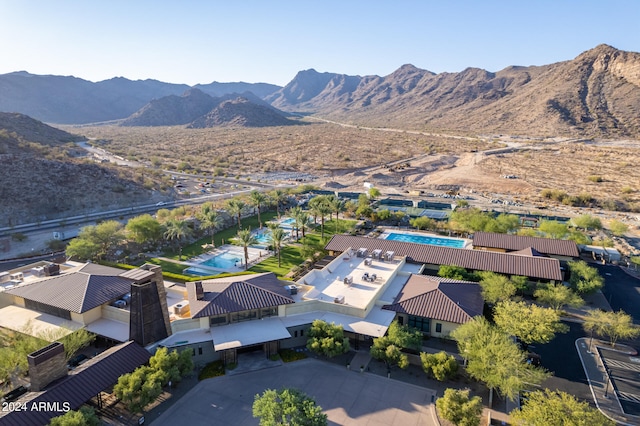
[[347, 397]]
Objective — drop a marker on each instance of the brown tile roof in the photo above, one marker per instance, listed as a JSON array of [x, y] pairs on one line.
[[235, 294], [81, 384], [516, 242], [439, 299], [78, 291], [504, 263]]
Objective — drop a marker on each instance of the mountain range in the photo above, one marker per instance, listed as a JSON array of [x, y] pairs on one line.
[[596, 94]]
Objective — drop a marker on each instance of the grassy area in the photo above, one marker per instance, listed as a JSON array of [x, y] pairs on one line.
[[221, 237], [294, 254]]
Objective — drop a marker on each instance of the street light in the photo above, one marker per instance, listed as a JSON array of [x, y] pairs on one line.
[[608, 379]]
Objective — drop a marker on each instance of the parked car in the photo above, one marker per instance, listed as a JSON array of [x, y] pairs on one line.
[[76, 361]]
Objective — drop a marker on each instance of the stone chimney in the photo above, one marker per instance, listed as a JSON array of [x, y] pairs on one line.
[[149, 314], [199, 290], [46, 365]]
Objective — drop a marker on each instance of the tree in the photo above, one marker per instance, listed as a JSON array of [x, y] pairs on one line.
[[94, 242], [422, 222], [504, 223], [75, 341], [388, 348], [586, 222], [530, 323], [245, 238], [144, 228], [584, 279], [177, 230], [138, 389], [106, 234], [496, 287], [618, 228], [373, 193], [235, 207], [277, 237], [85, 416], [296, 213], [614, 325], [327, 339], [548, 407], [279, 197], [457, 407], [456, 273], [441, 366], [493, 358], [257, 199], [210, 219], [557, 296], [554, 229], [82, 249], [287, 407], [320, 206]]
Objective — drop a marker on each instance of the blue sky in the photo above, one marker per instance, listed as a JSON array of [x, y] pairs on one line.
[[269, 41]]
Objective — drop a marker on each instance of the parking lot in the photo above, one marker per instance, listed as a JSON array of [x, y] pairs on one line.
[[624, 371]]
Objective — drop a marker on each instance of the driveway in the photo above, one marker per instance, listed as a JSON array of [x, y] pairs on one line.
[[347, 397], [621, 290]]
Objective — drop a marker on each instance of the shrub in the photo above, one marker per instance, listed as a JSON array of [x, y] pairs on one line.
[[289, 355], [595, 178], [213, 369]]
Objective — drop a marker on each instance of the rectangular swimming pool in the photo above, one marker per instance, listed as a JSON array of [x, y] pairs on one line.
[[223, 261], [425, 239]]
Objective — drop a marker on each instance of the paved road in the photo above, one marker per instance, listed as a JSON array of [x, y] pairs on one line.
[[560, 357], [621, 290]]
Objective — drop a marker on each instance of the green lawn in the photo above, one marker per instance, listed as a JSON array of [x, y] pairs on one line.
[[292, 255]]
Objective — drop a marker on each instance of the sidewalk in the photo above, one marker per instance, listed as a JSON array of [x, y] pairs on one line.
[[600, 383]]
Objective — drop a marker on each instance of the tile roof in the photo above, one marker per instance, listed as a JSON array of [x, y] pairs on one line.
[[81, 384], [439, 299], [517, 242], [479, 260], [77, 291], [236, 294]]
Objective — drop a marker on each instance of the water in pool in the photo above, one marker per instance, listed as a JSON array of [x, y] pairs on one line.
[[223, 261], [424, 239]]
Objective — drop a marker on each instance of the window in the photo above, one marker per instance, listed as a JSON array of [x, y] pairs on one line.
[[295, 333], [401, 320], [422, 324], [301, 333], [438, 327], [199, 350], [268, 312], [218, 320]]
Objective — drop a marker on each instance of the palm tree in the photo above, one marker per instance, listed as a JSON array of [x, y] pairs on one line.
[[257, 199], [320, 207], [277, 238], [278, 196], [304, 220], [177, 230], [295, 213], [210, 219], [235, 207], [245, 238], [337, 206]]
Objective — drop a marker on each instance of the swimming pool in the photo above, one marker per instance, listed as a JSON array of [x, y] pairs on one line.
[[192, 270], [264, 238], [288, 222], [424, 239], [223, 261]]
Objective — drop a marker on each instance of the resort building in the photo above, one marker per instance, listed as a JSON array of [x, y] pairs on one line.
[[563, 250]]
